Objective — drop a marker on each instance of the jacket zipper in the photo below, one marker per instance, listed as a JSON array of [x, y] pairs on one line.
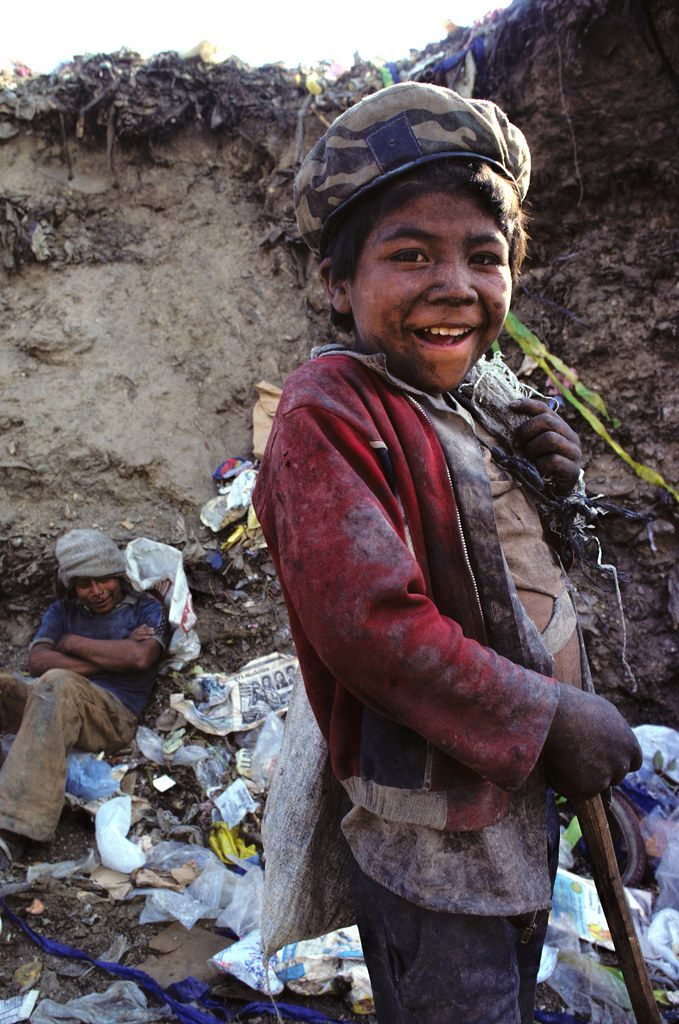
[[457, 512]]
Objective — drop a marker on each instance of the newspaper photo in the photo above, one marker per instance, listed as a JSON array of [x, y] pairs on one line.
[[224, 704]]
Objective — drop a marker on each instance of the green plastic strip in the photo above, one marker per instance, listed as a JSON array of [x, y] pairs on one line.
[[532, 346], [573, 833]]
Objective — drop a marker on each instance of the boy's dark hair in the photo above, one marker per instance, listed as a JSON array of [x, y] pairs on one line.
[[472, 178]]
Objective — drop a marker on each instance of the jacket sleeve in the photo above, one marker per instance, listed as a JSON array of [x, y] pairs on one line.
[[359, 596]]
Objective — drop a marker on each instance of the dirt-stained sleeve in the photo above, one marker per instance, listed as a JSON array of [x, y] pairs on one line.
[[358, 594]]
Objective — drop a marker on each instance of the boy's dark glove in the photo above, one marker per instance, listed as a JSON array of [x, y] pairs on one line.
[[549, 443]]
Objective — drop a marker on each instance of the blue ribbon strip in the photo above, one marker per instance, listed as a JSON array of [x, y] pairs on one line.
[[552, 1017], [177, 996]]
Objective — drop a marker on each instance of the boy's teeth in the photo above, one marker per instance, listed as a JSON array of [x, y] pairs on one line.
[[451, 332]]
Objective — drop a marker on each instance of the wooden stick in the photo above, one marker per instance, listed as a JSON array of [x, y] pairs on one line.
[[597, 838]]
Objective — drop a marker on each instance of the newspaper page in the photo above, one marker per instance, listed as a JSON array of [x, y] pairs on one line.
[[576, 905], [225, 704]]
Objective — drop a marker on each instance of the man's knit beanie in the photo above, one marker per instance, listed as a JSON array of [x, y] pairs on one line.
[[87, 554]]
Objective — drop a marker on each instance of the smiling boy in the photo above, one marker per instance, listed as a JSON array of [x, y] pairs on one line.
[[433, 623], [431, 247], [95, 657]]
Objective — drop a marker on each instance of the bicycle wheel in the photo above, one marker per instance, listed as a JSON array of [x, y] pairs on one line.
[[628, 841]]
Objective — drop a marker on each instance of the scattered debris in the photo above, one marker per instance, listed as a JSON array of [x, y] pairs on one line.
[[18, 1007], [331, 963]]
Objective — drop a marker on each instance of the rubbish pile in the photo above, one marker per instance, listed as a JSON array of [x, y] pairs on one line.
[[132, 97], [175, 820], [645, 829], [227, 731]]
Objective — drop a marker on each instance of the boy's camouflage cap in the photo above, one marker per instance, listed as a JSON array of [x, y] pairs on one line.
[[392, 131]]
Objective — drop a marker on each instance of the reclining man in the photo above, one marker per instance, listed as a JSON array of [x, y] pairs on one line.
[[96, 655]]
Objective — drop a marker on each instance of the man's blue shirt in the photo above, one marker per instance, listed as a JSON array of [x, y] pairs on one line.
[[133, 689]]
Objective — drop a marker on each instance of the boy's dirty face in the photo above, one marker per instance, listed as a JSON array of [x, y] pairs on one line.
[[99, 594], [431, 289]]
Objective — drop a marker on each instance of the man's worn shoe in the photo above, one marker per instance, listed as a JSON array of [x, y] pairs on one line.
[[12, 847]]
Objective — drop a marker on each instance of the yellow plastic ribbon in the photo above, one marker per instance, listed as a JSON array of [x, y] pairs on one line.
[[532, 346]]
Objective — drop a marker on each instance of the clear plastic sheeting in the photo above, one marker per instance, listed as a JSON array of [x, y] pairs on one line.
[[122, 1003], [209, 763], [171, 853], [259, 763], [62, 869], [234, 900], [243, 914], [590, 989], [204, 898]]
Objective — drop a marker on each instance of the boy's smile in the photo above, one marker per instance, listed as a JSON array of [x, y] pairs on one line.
[[431, 289]]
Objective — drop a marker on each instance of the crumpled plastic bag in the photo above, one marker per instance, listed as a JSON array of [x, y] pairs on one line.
[[590, 990], [111, 825], [663, 939], [122, 1003], [165, 905], [332, 962], [171, 853], [243, 913], [209, 763], [216, 893], [159, 568], [259, 762], [234, 803], [87, 777]]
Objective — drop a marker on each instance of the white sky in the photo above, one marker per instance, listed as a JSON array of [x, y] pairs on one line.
[[43, 33]]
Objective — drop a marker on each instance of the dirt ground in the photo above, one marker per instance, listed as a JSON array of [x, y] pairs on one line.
[[154, 275]]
